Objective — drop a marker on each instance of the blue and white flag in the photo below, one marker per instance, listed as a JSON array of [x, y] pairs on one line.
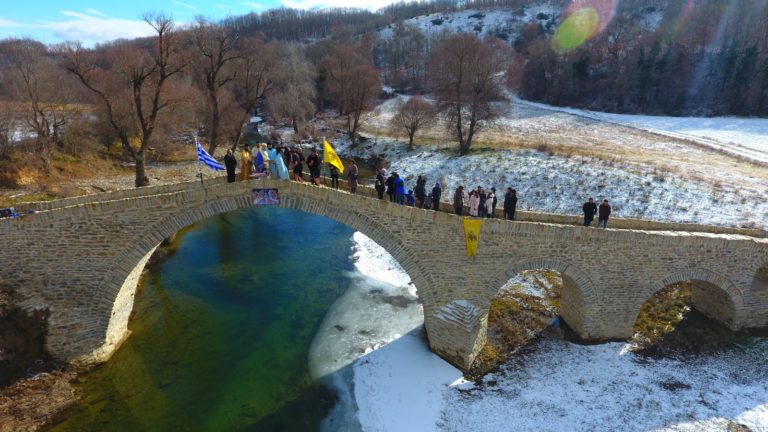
[[207, 159]]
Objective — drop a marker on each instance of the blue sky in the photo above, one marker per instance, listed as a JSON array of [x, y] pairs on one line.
[[94, 21]]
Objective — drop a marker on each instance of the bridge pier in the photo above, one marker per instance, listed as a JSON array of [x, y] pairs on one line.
[[457, 332]]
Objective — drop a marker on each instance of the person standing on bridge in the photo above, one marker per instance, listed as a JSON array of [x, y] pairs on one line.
[[482, 196], [489, 206], [352, 176], [297, 163], [474, 202], [602, 214], [420, 191], [399, 185], [334, 176], [230, 163], [313, 163], [246, 163], [381, 179], [458, 200], [436, 192], [510, 203], [589, 208], [494, 202], [391, 186]]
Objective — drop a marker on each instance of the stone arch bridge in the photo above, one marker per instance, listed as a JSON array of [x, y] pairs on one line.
[[81, 259]]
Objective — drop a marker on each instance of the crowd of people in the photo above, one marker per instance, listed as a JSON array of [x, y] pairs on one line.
[[279, 161]]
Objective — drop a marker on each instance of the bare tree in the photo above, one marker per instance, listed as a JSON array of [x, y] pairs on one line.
[[38, 83], [255, 77], [294, 93], [131, 91], [412, 116], [466, 75], [215, 48], [353, 83]]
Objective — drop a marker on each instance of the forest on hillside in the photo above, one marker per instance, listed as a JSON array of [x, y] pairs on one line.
[[679, 57]]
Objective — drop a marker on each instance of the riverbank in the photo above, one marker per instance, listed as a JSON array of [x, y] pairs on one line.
[[31, 403], [44, 390]]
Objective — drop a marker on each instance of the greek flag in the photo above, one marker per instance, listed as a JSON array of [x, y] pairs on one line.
[[208, 160]]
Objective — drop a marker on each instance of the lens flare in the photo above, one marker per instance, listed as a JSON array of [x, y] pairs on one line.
[[583, 20], [576, 29], [683, 18]]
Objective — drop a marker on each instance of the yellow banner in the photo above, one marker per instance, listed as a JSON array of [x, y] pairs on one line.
[[330, 156], [472, 234]]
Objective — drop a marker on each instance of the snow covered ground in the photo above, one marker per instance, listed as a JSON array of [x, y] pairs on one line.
[[644, 175], [389, 381], [395, 384], [481, 22], [745, 137]]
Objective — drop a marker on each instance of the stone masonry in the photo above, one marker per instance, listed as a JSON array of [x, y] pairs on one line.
[[82, 258]]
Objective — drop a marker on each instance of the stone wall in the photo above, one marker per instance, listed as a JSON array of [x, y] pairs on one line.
[[81, 257]]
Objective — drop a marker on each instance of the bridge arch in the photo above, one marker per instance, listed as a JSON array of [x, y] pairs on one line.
[[760, 278], [119, 286], [578, 290], [713, 295]]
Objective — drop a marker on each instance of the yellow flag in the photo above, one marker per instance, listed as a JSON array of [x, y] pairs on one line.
[[472, 234], [330, 156]]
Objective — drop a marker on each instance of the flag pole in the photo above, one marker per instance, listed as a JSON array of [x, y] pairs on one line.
[[323, 166], [199, 168]]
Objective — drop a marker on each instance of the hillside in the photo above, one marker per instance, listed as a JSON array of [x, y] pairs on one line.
[[654, 57]]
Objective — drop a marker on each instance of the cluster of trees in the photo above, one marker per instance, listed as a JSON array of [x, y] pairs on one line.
[[204, 78], [711, 59], [212, 77]]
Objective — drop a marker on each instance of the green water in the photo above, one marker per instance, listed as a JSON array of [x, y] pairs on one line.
[[221, 331]]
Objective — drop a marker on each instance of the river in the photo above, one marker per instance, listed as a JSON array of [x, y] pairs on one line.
[[250, 326]]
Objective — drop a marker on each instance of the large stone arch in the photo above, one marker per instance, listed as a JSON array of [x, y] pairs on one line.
[[119, 286], [713, 294], [578, 292]]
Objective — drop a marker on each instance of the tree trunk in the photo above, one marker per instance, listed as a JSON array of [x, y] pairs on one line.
[[410, 139], [295, 125], [215, 121], [464, 148], [352, 129], [141, 177]]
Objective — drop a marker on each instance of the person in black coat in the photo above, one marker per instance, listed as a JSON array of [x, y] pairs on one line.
[[390, 183], [436, 192], [334, 176], [510, 203], [420, 191], [230, 163], [602, 214], [590, 209], [380, 182], [495, 202], [481, 209]]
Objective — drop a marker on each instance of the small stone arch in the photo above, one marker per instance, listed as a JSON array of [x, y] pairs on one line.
[[713, 295], [760, 279], [578, 291]]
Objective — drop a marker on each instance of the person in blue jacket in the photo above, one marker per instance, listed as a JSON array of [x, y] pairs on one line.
[[410, 198], [399, 185]]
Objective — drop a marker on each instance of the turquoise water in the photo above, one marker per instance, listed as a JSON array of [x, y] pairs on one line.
[[222, 329]]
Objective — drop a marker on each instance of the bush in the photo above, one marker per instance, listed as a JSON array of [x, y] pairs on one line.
[[8, 175], [437, 22]]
